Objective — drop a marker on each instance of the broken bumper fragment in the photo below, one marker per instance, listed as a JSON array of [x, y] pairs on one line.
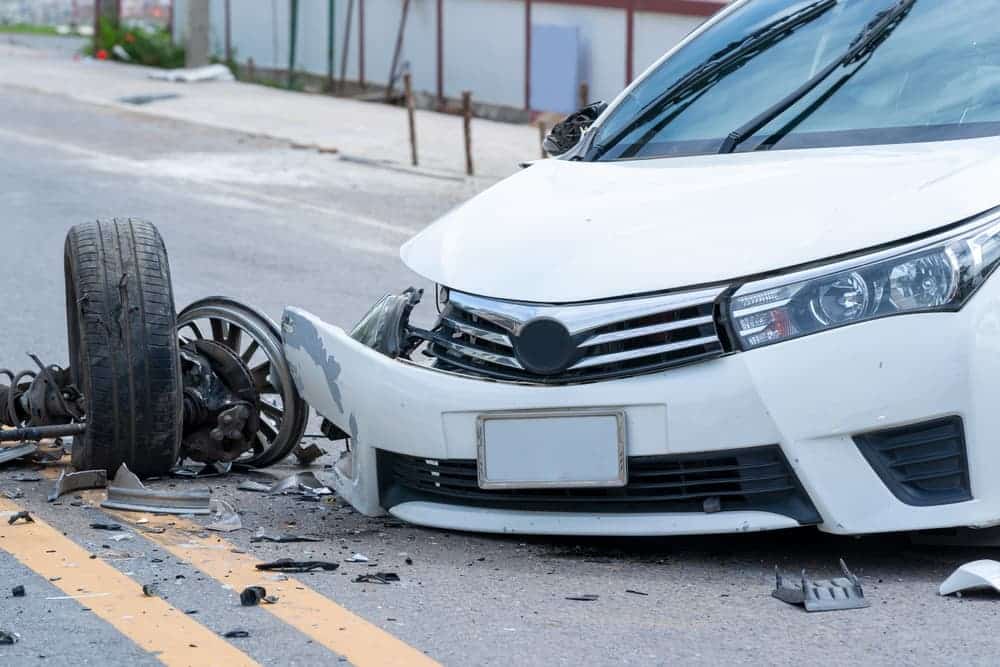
[[783, 436]]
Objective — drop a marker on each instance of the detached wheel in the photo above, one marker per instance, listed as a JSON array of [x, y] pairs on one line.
[[256, 340], [123, 347]]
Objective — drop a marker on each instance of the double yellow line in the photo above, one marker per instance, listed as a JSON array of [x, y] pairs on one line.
[[165, 631]]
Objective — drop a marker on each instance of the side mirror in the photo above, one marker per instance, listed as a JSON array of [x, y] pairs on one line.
[[567, 133]]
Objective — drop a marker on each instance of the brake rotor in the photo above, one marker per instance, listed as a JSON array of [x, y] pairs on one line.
[[221, 403]]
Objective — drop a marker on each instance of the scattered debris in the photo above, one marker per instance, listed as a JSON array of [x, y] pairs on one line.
[[106, 526], [264, 535], [306, 455], [20, 516], [217, 469], [126, 492], [251, 596], [121, 537], [408, 561], [294, 566], [14, 453], [77, 481], [357, 558], [7, 638], [13, 494], [586, 597], [194, 74], [150, 590], [979, 574], [250, 485], [238, 633], [303, 483], [836, 594], [17, 591], [377, 578], [226, 518], [629, 590]]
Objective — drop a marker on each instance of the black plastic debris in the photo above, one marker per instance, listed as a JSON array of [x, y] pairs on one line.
[[377, 578], [264, 535], [586, 597], [17, 591], [629, 590], [106, 526], [306, 455], [252, 596], [289, 565], [238, 633], [150, 591], [7, 638], [20, 516], [822, 595]]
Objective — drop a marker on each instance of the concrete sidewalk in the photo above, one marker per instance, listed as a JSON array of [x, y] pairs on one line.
[[360, 130]]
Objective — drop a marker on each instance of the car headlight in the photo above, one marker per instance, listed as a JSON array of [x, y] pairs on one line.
[[936, 274]]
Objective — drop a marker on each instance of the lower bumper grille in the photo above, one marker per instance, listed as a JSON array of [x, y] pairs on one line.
[[923, 464], [757, 478]]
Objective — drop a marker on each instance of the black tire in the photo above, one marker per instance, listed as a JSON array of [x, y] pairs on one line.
[[123, 347]]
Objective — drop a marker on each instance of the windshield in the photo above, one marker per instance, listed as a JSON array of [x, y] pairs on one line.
[[935, 77]]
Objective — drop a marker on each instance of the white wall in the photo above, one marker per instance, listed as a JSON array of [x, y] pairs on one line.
[[483, 41]]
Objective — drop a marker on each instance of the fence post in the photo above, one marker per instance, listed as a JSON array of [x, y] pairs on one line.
[[467, 127], [541, 137], [584, 94], [292, 35], [408, 91]]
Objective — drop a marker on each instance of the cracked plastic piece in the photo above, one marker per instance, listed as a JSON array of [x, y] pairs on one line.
[[14, 453], [832, 595], [126, 492], [979, 574], [77, 481], [567, 133], [297, 566], [227, 519], [384, 328]]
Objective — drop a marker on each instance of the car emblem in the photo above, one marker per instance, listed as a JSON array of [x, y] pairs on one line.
[[544, 346]]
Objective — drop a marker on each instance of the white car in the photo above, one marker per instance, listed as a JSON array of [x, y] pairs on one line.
[[754, 295]]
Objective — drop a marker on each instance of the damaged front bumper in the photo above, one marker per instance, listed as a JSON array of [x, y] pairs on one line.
[[788, 435]]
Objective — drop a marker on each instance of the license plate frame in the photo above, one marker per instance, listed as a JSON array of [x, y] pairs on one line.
[[620, 444]]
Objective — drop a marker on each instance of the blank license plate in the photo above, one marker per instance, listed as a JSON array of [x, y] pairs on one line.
[[534, 449]]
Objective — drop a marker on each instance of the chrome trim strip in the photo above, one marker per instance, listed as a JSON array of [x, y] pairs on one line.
[[475, 353], [477, 332], [650, 330], [579, 318], [603, 359]]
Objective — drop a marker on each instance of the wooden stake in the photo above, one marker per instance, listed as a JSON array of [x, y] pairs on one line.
[[467, 126], [584, 94], [408, 91], [541, 137], [251, 70]]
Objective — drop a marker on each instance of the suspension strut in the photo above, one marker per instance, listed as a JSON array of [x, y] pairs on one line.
[[40, 404]]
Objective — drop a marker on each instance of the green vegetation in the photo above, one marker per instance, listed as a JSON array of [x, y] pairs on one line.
[[153, 48], [27, 29]]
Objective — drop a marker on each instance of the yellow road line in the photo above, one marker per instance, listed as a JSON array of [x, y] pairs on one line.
[[154, 625], [309, 612]]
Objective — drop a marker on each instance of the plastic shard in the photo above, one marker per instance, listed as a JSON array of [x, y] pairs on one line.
[[977, 575], [126, 492], [77, 481], [822, 595]]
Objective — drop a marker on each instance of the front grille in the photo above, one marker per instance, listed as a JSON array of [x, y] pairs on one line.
[[479, 336], [923, 464], [757, 478]]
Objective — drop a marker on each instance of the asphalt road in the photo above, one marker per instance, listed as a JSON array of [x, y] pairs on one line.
[[272, 225]]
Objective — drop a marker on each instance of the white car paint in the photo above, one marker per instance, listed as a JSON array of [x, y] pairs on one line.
[[564, 232], [631, 227]]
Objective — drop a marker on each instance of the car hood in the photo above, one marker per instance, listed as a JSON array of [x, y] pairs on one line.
[[563, 231]]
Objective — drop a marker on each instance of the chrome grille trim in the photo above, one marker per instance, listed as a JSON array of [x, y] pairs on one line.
[[615, 357], [479, 336]]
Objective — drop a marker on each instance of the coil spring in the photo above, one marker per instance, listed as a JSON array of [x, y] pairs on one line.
[[13, 412]]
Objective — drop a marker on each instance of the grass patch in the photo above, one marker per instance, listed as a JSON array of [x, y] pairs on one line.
[[27, 29]]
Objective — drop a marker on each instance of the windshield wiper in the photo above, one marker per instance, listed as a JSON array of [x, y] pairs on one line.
[[720, 64], [861, 49]]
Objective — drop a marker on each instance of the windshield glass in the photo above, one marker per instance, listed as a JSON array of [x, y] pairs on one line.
[[935, 77]]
